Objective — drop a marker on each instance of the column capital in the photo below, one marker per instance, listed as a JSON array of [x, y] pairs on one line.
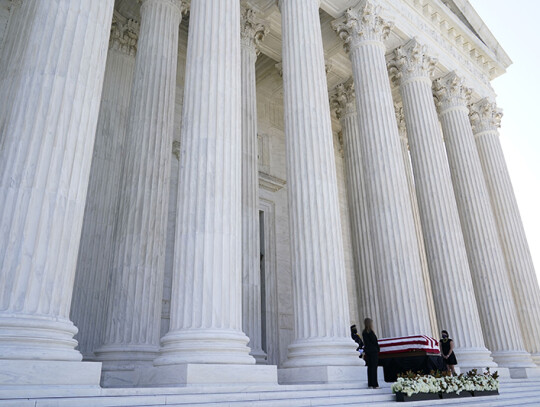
[[124, 34], [409, 61], [485, 116], [252, 29], [342, 100], [362, 23], [451, 93]]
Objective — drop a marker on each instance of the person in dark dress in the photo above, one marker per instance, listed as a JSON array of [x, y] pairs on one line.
[[446, 346], [356, 337], [371, 353]]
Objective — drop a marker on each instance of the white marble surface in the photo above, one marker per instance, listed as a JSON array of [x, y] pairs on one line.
[[133, 319], [47, 137], [343, 103], [252, 33], [485, 119], [206, 320], [411, 68], [417, 223], [319, 281], [487, 264], [96, 250], [394, 242]]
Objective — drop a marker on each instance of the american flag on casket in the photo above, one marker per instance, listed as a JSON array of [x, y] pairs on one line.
[[415, 343]]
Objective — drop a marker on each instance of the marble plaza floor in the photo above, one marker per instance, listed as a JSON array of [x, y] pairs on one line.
[[522, 392]]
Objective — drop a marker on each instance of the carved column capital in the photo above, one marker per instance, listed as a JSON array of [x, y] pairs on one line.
[[411, 61], [124, 34], [450, 92], [485, 116], [252, 30], [342, 100], [362, 23]]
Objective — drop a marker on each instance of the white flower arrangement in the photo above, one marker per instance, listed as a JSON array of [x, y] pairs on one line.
[[442, 383]]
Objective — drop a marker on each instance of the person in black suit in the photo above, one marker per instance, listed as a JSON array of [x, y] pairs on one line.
[[371, 352], [356, 337]]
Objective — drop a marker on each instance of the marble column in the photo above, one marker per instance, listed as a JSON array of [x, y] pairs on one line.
[[90, 292], [342, 101], [451, 280], [404, 309], [485, 118], [131, 337], [417, 223], [321, 312], [493, 291], [252, 32], [206, 304], [47, 137]]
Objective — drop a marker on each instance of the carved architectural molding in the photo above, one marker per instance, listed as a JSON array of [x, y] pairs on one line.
[[252, 30], [450, 92], [342, 100], [411, 61], [485, 116], [362, 23], [124, 34], [270, 183]]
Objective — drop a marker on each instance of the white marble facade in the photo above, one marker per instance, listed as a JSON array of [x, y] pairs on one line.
[[187, 183]]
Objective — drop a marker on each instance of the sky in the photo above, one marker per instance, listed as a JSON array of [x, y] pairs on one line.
[[515, 25]]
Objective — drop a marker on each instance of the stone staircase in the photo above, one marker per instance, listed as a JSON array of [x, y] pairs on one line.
[[523, 392]]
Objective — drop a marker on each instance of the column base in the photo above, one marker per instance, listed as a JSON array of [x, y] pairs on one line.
[[326, 375], [34, 337], [323, 352], [204, 346], [30, 373], [209, 374], [513, 359], [474, 358]]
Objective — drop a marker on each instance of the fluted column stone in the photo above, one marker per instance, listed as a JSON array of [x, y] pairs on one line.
[[485, 118], [501, 329], [452, 284], [50, 101], [133, 321], [417, 222], [94, 264], [252, 32], [321, 313], [404, 309], [342, 101], [206, 304]]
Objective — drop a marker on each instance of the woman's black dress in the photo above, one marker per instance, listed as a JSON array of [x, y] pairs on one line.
[[371, 352], [445, 347]]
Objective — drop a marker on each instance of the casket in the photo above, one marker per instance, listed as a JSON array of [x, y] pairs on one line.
[[418, 353], [406, 344]]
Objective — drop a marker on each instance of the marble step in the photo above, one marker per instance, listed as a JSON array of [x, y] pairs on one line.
[[513, 392]]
